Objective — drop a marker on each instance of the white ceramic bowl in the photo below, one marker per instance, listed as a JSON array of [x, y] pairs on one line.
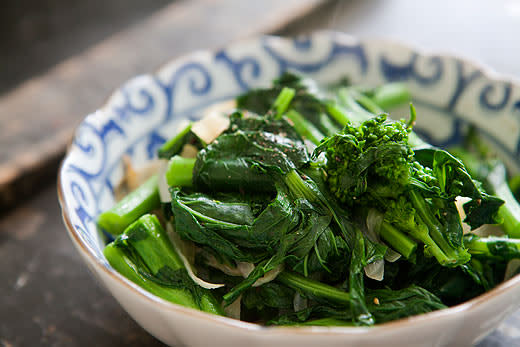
[[448, 92]]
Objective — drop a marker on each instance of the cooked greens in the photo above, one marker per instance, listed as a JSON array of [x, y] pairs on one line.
[[313, 207]]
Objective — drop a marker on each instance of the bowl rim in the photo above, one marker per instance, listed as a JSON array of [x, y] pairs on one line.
[[407, 322]]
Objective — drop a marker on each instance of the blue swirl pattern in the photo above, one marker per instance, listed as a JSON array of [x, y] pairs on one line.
[[395, 72]]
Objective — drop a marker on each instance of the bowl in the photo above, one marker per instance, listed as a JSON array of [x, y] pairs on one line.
[[449, 93]]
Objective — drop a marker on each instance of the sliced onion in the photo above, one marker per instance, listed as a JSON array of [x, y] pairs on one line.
[[299, 302], [189, 151], [269, 276], [180, 247], [245, 268], [233, 309], [242, 269], [164, 192], [211, 126], [459, 202], [392, 256], [482, 231], [375, 270]]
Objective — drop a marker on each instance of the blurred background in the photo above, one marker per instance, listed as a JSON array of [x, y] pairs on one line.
[[59, 60]]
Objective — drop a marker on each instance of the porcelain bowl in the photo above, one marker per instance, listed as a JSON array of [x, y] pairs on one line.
[[448, 92]]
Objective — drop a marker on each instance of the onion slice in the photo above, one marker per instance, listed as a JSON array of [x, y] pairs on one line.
[[164, 191], [299, 302], [180, 247], [242, 269], [233, 309], [375, 270], [392, 256], [269, 276], [210, 127]]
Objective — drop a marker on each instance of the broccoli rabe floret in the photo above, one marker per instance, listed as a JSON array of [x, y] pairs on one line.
[[373, 165], [375, 154]]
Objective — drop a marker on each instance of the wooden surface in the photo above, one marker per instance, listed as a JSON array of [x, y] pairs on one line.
[[37, 117], [47, 296]]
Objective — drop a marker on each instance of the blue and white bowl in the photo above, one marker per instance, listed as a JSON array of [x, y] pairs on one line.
[[448, 93]]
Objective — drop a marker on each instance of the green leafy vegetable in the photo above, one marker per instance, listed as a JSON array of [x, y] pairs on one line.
[[143, 200], [144, 254], [312, 207]]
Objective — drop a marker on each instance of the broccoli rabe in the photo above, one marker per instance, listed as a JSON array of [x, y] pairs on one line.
[[373, 165], [312, 207]]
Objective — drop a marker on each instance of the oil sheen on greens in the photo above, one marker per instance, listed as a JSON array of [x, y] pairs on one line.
[[314, 207]]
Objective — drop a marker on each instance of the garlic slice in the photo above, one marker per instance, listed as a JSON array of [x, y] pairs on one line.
[[375, 270]]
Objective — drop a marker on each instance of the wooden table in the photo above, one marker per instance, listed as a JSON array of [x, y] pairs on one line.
[[47, 296]]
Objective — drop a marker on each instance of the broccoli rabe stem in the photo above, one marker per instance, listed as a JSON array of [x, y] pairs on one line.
[[497, 248], [391, 95], [314, 288], [510, 211], [175, 144], [348, 98], [145, 255], [421, 233], [281, 104], [148, 238], [299, 188], [142, 200], [180, 171], [367, 103], [339, 115], [306, 129], [397, 240], [120, 262], [435, 240], [327, 125]]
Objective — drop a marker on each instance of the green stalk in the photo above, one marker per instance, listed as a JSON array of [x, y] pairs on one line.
[[145, 255], [348, 99], [180, 171], [368, 104], [142, 200], [314, 288], [391, 95], [342, 116], [498, 248], [435, 232], [327, 126], [397, 240], [150, 241], [174, 145], [281, 104], [121, 263], [306, 129], [299, 188], [510, 211], [423, 236]]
